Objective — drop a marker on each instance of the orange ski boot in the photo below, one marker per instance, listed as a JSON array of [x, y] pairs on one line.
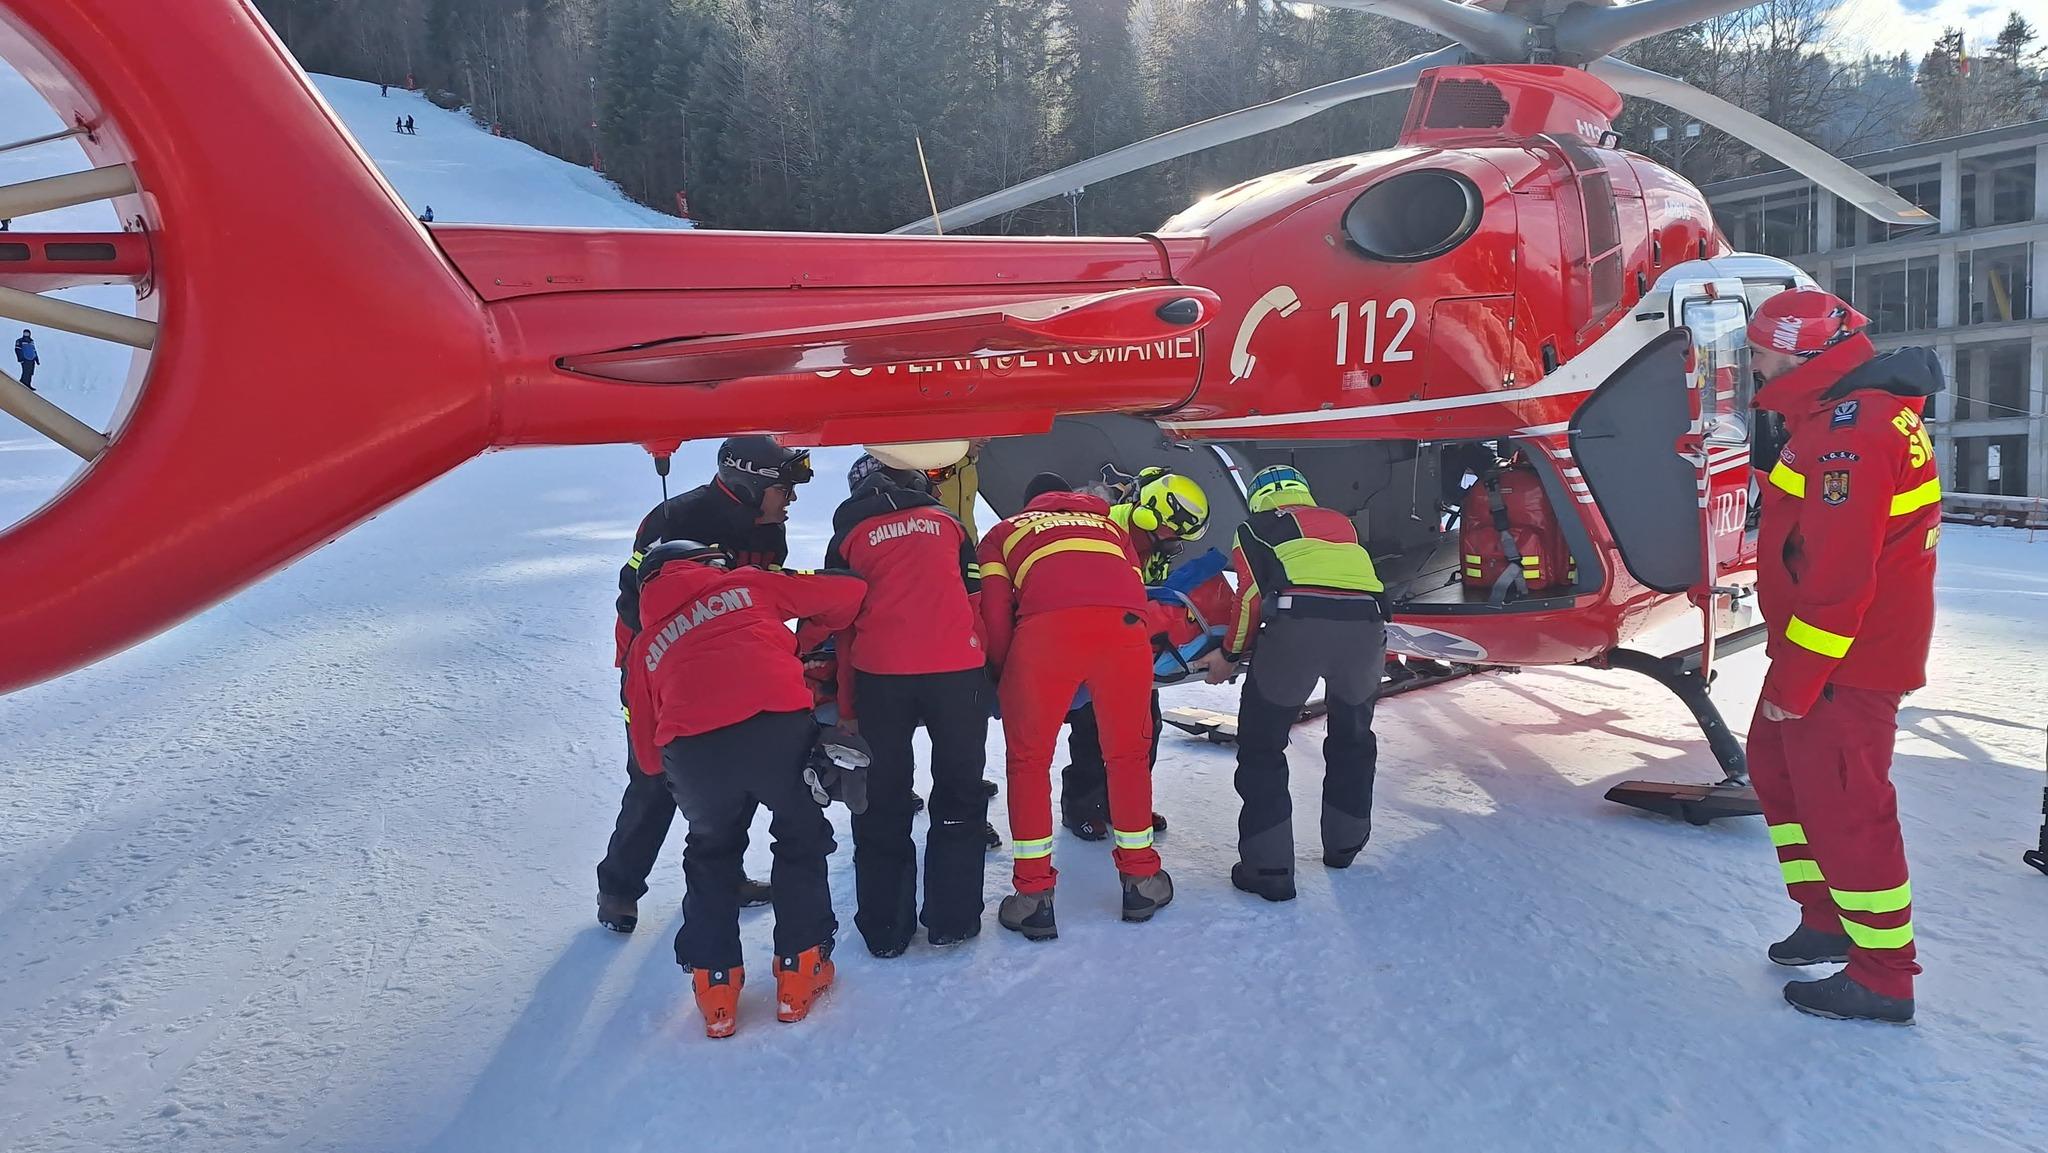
[[718, 998], [800, 981]]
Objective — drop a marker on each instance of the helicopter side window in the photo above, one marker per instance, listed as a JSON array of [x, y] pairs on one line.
[[1721, 366]]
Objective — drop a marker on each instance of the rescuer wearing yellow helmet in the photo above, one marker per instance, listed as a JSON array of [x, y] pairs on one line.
[[1310, 602], [1161, 511]]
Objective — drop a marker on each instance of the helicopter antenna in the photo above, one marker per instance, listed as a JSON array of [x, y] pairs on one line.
[[928, 190]]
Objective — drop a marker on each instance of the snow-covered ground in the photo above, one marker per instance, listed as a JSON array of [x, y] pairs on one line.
[[314, 871]]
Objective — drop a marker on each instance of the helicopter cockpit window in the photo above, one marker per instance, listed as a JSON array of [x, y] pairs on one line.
[[1414, 216], [1721, 366]]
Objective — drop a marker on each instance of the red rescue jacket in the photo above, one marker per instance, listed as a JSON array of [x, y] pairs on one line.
[[1063, 551], [1851, 513], [921, 614], [716, 649]]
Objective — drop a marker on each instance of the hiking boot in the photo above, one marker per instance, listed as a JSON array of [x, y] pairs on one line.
[[800, 981], [989, 788], [1840, 999], [754, 894], [1145, 896], [718, 998], [1811, 947], [1272, 884], [1341, 858], [619, 914], [1029, 914], [990, 839], [916, 803], [1158, 825]]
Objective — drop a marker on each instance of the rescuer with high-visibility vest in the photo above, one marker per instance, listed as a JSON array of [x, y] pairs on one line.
[[1845, 543], [1161, 511], [958, 484], [1062, 608], [1309, 607]]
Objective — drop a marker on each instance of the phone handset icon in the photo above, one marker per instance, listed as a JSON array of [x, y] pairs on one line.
[[1281, 300]]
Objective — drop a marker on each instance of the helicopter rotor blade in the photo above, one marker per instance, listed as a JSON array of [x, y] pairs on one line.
[[1192, 138], [1805, 158], [1586, 32], [1495, 35]]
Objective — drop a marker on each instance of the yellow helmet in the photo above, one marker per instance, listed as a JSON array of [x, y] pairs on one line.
[[1174, 503]]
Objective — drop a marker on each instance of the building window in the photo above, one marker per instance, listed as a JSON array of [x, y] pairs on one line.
[[1922, 186], [1992, 465], [1848, 220], [1991, 381], [1899, 296], [1995, 285], [1998, 189]]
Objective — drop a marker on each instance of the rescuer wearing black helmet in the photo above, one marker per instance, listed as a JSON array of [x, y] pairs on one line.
[[740, 511]]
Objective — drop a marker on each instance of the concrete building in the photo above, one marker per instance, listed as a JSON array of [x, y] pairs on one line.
[[1976, 288]]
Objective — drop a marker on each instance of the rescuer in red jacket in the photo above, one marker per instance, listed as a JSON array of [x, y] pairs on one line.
[[913, 657], [720, 706], [1851, 512], [1061, 607]]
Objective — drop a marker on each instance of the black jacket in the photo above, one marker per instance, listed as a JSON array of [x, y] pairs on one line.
[[707, 514]]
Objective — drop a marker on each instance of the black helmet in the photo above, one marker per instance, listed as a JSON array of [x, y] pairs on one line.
[[868, 467], [748, 466], [1043, 483], [681, 552]]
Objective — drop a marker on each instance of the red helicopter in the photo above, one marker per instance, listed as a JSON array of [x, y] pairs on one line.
[[1504, 283]]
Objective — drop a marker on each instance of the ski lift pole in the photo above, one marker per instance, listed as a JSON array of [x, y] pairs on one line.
[[2038, 856]]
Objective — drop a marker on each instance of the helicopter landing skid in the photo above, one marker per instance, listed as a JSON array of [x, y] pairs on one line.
[[1693, 804]]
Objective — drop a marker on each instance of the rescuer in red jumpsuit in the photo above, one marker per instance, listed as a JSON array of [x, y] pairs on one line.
[[1851, 513], [1062, 606]]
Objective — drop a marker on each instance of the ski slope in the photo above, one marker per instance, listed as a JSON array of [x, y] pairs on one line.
[[314, 872]]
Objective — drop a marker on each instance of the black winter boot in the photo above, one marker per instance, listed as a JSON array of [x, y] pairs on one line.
[[990, 839], [1811, 947], [619, 914], [1272, 884], [1841, 999], [754, 894], [1089, 828], [1029, 914]]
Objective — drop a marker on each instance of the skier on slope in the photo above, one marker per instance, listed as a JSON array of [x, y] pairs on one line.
[[27, 357], [718, 699], [1309, 599], [1062, 607], [742, 511], [914, 656], [1161, 511], [1845, 581]]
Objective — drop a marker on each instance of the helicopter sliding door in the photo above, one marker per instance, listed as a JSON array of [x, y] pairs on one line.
[[1628, 438]]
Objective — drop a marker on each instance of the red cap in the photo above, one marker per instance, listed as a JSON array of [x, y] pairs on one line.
[[1804, 321]]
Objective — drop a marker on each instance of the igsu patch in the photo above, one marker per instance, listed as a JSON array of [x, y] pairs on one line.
[[1845, 414]]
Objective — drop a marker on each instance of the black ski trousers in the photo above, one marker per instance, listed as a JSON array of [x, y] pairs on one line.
[[645, 811], [1293, 653], [717, 778], [1084, 783], [953, 708]]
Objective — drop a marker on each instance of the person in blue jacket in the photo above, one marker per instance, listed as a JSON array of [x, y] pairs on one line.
[[25, 355]]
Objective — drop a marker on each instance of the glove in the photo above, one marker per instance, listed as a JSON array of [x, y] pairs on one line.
[[838, 769]]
